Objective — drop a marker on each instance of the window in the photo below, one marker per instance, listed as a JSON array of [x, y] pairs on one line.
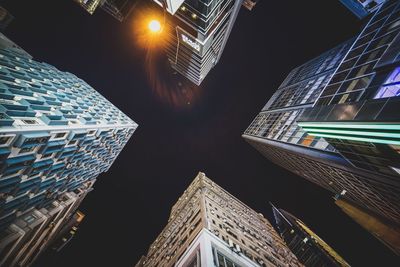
[[59, 135], [26, 149], [391, 87], [221, 260], [29, 121], [4, 140]]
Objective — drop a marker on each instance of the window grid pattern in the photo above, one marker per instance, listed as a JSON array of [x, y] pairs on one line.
[[374, 195], [282, 126], [353, 77], [228, 219], [57, 134]]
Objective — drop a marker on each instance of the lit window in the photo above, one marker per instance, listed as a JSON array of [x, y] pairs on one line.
[[391, 87]]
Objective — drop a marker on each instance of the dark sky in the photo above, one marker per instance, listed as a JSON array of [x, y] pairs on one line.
[[130, 204]]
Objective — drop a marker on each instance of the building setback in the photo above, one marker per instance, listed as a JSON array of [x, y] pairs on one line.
[[209, 227], [308, 247], [198, 32], [57, 134], [355, 116]]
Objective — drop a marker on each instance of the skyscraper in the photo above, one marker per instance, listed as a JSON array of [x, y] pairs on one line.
[[354, 117], [357, 113], [308, 247], [198, 32], [119, 9], [210, 227], [57, 134], [362, 8], [387, 233]]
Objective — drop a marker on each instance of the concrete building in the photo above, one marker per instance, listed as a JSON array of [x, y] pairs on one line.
[[308, 247], [209, 227], [57, 134]]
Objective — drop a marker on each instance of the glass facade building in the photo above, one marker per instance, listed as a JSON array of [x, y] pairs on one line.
[[362, 8], [57, 134], [308, 247], [119, 9], [210, 227], [355, 115], [197, 34]]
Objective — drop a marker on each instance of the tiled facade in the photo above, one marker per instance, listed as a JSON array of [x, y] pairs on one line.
[[278, 119], [210, 227], [57, 134]]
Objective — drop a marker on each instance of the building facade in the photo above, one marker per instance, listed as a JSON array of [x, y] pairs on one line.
[[57, 134], [209, 227], [198, 32], [308, 247], [362, 8], [119, 9], [355, 115], [385, 232]]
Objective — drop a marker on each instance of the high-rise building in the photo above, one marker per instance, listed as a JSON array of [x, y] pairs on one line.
[[362, 8], [308, 247], [5, 18], [385, 232], [210, 227], [57, 134], [354, 117], [198, 32], [119, 9], [357, 113]]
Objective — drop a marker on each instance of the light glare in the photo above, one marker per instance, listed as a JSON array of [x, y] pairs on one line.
[[154, 26]]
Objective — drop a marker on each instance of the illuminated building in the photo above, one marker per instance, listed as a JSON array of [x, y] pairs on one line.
[[209, 227], [357, 112], [198, 32], [362, 8], [57, 134], [119, 9], [347, 139], [308, 247]]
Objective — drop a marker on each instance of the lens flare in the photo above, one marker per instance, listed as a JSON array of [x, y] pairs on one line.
[[154, 26]]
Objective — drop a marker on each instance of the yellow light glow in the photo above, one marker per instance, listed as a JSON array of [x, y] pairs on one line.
[[154, 26]]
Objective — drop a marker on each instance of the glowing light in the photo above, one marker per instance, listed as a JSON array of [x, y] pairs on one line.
[[154, 26]]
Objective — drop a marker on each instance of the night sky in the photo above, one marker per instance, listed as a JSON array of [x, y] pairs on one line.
[[131, 202]]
